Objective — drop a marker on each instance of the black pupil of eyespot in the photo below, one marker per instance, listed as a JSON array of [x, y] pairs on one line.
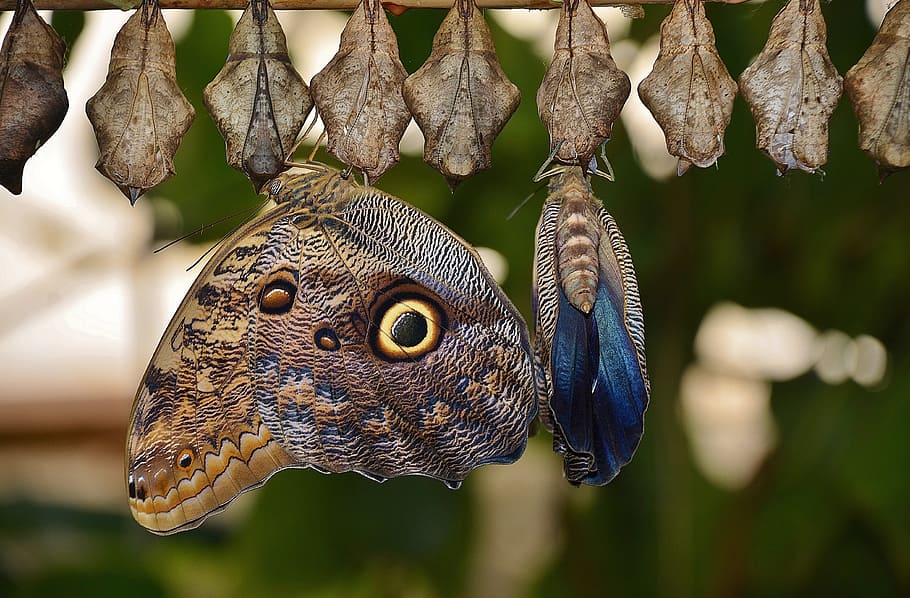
[[140, 491], [132, 487], [409, 329], [185, 460]]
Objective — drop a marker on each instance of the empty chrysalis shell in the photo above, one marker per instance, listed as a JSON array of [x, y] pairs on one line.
[[689, 91], [139, 114], [583, 91], [258, 100], [879, 87], [358, 94], [32, 99], [792, 88], [460, 97]]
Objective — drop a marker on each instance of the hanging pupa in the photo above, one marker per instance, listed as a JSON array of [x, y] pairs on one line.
[[689, 91], [583, 91], [258, 100], [879, 87], [589, 342], [460, 97], [139, 114], [358, 94], [32, 99], [792, 88]]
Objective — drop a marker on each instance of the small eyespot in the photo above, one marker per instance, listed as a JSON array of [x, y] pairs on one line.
[[131, 486], [326, 339], [409, 325], [185, 459], [277, 297]]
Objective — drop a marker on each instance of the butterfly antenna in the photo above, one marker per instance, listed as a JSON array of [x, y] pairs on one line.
[[225, 235], [523, 202], [203, 228]]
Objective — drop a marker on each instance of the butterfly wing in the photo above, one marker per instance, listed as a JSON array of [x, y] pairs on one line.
[[196, 439], [591, 367], [365, 338], [406, 356]]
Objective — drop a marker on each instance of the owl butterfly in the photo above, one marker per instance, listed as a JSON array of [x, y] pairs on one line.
[[589, 345], [342, 331]]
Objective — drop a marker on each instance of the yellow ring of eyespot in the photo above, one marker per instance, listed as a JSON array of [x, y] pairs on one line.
[[385, 342]]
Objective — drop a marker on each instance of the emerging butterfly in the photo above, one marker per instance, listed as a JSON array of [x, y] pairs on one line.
[[343, 331], [590, 344]]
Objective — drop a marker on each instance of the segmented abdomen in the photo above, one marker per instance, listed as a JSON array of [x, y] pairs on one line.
[[577, 238]]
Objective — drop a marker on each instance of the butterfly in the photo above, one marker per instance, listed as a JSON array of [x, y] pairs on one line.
[[343, 330], [589, 343]]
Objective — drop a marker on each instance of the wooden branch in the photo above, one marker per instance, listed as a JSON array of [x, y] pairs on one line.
[[324, 4]]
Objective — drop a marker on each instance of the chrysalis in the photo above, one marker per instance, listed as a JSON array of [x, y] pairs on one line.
[[139, 114], [460, 97], [583, 90], [358, 94], [32, 99], [689, 91], [589, 345], [792, 87], [879, 87], [258, 100]]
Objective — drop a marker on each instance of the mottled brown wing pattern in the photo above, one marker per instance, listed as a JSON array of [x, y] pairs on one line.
[[195, 439], [343, 331]]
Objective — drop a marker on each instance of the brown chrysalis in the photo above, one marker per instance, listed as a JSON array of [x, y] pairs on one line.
[[583, 90], [139, 114], [258, 100], [32, 99], [689, 91], [792, 87], [879, 87], [460, 97], [358, 94]]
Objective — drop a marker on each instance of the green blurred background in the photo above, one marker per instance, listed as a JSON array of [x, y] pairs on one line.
[[827, 511]]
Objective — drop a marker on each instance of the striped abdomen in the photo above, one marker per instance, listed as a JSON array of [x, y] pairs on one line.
[[577, 238]]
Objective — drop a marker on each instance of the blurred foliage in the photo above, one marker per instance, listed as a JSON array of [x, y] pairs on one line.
[[828, 512]]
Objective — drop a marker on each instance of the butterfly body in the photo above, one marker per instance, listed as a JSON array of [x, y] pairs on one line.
[[589, 344], [343, 331], [577, 240]]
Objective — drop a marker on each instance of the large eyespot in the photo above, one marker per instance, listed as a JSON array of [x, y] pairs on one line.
[[277, 295], [407, 326]]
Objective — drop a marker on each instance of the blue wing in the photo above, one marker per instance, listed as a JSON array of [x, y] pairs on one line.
[[599, 388]]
